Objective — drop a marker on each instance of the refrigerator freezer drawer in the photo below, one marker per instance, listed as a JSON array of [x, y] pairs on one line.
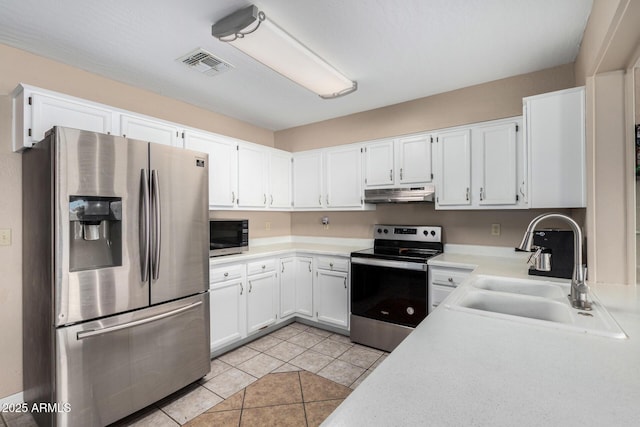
[[110, 368]]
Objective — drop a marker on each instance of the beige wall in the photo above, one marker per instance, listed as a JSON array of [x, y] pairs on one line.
[[493, 100], [460, 227], [609, 50]]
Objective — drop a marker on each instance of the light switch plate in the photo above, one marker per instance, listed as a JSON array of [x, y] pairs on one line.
[[495, 229], [5, 237]]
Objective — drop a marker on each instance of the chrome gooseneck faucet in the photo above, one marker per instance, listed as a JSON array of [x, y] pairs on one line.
[[579, 289]]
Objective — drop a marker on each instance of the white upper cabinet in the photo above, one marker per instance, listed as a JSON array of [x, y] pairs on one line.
[[495, 149], [35, 111], [399, 162], [151, 130], [223, 166], [280, 179], [481, 166], [555, 139], [307, 180], [379, 164], [414, 159], [252, 176], [453, 168], [344, 177]]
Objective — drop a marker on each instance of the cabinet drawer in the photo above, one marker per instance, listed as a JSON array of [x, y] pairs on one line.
[[261, 266], [448, 276], [334, 264], [225, 273]]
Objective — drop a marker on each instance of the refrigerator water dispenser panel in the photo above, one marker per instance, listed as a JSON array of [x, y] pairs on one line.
[[96, 232]]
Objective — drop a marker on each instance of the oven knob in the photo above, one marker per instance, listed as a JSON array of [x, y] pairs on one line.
[[379, 230], [433, 233], [410, 311], [386, 231]]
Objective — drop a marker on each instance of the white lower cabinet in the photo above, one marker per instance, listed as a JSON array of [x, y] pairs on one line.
[[296, 286], [332, 291], [227, 305], [442, 281], [262, 290]]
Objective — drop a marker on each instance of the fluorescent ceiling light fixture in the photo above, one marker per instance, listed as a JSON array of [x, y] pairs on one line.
[[250, 31]]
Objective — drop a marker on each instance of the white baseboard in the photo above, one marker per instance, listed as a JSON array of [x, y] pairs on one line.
[[14, 399]]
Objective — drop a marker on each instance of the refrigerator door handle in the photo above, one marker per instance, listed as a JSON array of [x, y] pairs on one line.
[[95, 332], [144, 226], [155, 208]]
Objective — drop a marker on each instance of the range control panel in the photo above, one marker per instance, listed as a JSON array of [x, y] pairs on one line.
[[416, 233]]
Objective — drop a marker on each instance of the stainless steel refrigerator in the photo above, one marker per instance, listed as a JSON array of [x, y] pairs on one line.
[[115, 275]]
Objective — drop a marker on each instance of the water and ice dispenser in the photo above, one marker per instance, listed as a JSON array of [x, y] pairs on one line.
[[96, 232]]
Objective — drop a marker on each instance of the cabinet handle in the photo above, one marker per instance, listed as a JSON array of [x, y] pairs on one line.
[[309, 266], [264, 202], [345, 283], [331, 265], [390, 174], [327, 199], [282, 271], [241, 289], [226, 274], [400, 174], [320, 200], [233, 197], [450, 279], [264, 266], [250, 286], [467, 194], [271, 203], [481, 194]]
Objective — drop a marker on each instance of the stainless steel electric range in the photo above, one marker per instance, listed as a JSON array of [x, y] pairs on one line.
[[389, 284]]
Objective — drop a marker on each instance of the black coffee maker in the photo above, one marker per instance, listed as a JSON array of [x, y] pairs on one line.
[[557, 247]]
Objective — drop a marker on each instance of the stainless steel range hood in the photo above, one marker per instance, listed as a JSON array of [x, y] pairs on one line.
[[400, 195]]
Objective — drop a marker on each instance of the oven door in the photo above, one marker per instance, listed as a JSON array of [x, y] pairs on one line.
[[389, 291]]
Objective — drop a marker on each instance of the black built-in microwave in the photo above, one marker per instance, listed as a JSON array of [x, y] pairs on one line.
[[228, 236]]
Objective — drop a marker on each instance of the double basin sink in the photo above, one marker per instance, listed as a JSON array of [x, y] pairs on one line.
[[535, 302]]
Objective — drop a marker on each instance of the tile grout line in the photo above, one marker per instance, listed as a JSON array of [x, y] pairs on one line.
[[304, 407]]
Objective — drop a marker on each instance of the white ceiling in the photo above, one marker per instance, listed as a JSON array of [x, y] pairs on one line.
[[397, 50]]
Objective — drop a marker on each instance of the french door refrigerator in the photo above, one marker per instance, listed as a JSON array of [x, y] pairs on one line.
[[115, 275]]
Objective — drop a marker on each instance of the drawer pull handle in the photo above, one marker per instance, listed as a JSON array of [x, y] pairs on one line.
[[241, 289], [331, 265], [450, 279], [264, 266], [226, 274]]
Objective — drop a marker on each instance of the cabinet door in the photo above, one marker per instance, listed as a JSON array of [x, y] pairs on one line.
[[304, 286], [496, 159], [150, 130], [49, 111], [223, 166], [287, 287], [261, 301], [414, 159], [252, 168], [307, 180], [454, 168], [332, 297], [555, 134], [228, 313], [280, 179], [378, 164], [344, 177]]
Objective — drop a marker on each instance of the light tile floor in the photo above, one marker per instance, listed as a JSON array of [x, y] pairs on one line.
[[294, 376]]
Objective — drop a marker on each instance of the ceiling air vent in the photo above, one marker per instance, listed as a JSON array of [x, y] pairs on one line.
[[205, 62]]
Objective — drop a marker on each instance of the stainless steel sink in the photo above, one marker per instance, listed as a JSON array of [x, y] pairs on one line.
[[534, 302]]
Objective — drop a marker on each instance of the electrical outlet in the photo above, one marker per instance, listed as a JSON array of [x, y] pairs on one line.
[[267, 226], [495, 229], [325, 226], [5, 237]]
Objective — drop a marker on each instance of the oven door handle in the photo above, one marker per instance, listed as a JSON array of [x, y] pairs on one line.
[[403, 265]]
